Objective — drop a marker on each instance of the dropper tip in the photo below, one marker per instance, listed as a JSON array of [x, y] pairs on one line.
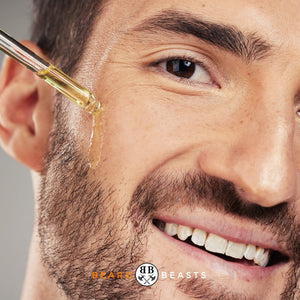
[[93, 106]]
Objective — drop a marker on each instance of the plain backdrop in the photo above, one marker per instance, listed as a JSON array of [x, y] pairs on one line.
[[16, 200]]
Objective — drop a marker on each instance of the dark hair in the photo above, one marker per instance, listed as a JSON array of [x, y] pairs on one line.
[[61, 29]]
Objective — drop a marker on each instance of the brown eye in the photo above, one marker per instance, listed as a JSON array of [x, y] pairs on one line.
[[181, 68], [187, 70]]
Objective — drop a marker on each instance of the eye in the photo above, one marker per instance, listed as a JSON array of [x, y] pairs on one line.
[[186, 69], [297, 110]]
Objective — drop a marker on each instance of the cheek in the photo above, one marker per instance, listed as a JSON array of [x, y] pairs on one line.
[[297, 146], [143, 130], [138, 135], [145, 126]]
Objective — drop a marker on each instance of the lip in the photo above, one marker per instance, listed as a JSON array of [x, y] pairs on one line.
[[227, 229], [223, 267]]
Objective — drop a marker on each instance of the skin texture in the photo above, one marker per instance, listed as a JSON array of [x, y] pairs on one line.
[[236, 127]]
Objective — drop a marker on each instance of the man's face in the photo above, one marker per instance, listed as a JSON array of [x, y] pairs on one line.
[[201, 129]]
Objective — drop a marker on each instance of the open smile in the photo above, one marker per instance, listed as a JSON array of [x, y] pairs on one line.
[[249, 258]]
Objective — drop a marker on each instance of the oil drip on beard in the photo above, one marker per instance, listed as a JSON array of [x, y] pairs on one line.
[[96, 141]]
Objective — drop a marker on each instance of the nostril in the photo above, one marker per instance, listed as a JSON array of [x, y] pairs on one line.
[[267, 195]]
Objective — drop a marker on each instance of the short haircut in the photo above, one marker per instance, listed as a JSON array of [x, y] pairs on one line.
[[61, 29]]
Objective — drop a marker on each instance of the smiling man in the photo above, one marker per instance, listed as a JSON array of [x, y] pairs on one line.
[[200, 158]]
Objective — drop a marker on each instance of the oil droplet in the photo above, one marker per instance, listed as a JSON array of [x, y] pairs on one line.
[[96, 142]]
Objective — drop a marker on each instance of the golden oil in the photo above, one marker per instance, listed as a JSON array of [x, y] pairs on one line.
[[64, 84], [70, 88], [84, 98], [97, 137]]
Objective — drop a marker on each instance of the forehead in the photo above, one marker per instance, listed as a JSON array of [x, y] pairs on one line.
[[279, 20]]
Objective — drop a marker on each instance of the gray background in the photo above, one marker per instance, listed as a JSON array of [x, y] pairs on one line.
[[16, 196]]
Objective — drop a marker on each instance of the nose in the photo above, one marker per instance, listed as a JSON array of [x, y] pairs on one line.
[[257, 156]]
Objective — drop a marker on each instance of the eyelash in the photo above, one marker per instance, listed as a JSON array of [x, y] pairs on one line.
[[155, 64]]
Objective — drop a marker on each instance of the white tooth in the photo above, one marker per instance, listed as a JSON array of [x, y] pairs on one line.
[[215, 243], [199, 237], [259, 254], [235, 250], [265, 259], [262, 257], [171, 229], [250, 252], [183, 232]]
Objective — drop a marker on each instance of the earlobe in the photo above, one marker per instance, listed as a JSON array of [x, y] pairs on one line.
[[25, 113]]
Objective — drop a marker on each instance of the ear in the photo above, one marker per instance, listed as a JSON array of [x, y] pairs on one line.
[[25, 112]]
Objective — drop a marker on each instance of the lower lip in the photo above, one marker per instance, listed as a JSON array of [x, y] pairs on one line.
[[234, 269]]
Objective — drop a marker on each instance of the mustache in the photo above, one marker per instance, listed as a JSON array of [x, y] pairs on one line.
[[168, 191]]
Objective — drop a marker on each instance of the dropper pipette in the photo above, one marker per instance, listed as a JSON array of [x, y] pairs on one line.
[[50, 74]]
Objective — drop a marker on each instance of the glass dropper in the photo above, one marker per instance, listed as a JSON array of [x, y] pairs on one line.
[[49, 73]]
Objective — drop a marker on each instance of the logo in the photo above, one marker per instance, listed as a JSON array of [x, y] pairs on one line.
[[111, 275], [146, 274]]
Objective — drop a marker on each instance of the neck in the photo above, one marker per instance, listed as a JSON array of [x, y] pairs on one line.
[[38, 284]]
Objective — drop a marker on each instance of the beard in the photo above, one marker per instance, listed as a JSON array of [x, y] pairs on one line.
[[82, 230]]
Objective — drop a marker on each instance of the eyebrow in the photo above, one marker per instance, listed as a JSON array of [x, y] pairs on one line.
[[248, 46]]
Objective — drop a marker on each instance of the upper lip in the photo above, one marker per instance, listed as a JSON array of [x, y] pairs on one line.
[[242, 231]]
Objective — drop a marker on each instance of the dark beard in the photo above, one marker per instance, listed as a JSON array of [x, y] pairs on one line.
[[81, 231]]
